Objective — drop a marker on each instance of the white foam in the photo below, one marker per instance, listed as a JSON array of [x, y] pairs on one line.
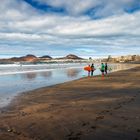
[[8, 69]]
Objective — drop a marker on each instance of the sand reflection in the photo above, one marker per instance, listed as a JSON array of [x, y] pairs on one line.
[[46, 74], [73, 72], [29, 76]]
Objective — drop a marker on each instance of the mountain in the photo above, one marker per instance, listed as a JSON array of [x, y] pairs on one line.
[[45, 57], [71, 56], [32, 58], [28, 58]]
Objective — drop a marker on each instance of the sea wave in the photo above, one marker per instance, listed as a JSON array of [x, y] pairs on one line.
[[16, 69]]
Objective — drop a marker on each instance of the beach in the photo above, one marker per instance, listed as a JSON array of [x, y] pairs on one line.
[[91, 108]]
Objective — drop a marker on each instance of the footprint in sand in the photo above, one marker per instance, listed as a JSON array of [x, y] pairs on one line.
[[71, 136], [124, 118], [132, 99], [117, 107], [93, 127], [138, 130], [74, 138], [105, 111], [85, 123], [115, 126], [23, 113], [99, 118], [135, 96]]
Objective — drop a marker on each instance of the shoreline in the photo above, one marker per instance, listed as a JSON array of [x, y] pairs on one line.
[[44, 87], [86, 108], [52, 69], [41, 80]]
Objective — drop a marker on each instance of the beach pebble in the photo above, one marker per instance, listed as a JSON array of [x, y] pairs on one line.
[[9, 130]]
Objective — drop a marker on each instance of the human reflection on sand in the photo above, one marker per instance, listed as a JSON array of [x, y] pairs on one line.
[[29, 76], [33, 75], [73, 72], [46, 74]]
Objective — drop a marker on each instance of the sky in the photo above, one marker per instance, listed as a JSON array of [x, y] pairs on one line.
[[89, 28]]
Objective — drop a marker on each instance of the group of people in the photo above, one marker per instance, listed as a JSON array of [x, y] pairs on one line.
[[104, 69], [91, 70]]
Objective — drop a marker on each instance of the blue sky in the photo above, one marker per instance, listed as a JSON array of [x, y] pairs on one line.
[[59, 27]]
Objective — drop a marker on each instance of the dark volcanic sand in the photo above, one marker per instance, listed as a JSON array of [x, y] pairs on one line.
[[91, 108]]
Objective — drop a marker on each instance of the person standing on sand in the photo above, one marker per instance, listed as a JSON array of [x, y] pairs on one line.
[[106, 68], [102, 69], [89, 70], [92, 69]]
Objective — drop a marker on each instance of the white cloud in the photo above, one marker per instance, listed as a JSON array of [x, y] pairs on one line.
[[69, 28], [21, 22], [12, 10], [76, 7]]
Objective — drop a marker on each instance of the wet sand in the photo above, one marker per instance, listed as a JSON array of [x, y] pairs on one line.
[[91, 108]]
